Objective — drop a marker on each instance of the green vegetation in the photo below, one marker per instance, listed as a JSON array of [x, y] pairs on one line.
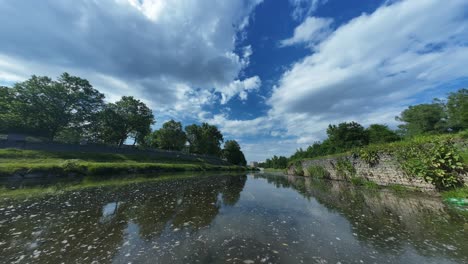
[[89, 182], [171, 137], [318, 172], [345, 168], [459, 193], [436, 159], [360, 181], [13, 160], [275, 163], [233, 154], [70, 110], [298, 170]]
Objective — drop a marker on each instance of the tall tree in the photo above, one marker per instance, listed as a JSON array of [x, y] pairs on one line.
[[233, 153], [423, 118], [171, 136], [204, 139], [381, 134], [347, 135], [128, 117], [44, 107], [457, 110]]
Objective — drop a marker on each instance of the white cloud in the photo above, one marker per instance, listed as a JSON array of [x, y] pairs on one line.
[[312, 30], [368, 70], [238, 87], [152, 49], [304, 8]]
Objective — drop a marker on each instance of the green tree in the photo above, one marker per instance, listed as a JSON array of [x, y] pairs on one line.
[[381, 134], [457, 110], [44, 107], [128, 117], [233, 153], [171, 136], [423, 118], [204, 139], [346, 136]]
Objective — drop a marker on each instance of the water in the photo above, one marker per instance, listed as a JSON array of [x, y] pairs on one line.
[[232, 219]]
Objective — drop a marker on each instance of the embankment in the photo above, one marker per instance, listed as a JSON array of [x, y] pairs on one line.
[[436, 163]]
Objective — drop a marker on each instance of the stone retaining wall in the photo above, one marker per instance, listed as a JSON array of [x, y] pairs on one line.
[[386, 172]]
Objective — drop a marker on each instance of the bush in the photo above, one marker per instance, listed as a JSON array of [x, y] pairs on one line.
[[370, 156], [318, 172], [345, 168], [298, 170], [437, 162]]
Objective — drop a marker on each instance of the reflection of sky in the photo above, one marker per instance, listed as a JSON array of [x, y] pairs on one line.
[[275, 224]]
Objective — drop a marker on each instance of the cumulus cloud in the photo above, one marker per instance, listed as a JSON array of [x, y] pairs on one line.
[[369, 69], [238, 87], [151, 47], [311, 31]]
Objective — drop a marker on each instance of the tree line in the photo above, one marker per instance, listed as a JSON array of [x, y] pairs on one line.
[[70, 110], [440, 116]]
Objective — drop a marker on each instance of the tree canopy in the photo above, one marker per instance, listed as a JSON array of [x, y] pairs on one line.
[[457, 110], [381, 134], [347, 135], [170, 137], [128, 117], [44, 107], [423, 118], [204, 139], [233, 153]]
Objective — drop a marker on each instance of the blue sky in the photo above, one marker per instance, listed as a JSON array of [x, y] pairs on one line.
[[271, 74]]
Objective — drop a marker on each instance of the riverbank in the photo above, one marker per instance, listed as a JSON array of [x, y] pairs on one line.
[[34, 163], [428, 163]]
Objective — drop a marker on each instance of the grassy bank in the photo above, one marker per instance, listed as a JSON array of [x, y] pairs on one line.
[[93, 182], [14, 161]]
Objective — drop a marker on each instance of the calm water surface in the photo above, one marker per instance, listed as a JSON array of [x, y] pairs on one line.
[[232, 219]]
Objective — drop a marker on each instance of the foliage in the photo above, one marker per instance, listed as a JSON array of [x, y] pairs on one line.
[[170, 137], [370, 156], [298, 170], [345, 136], [73, 165], [437, 162], [204, 139], [381, 134], [317, 171], [41, 106], [13, 160], [122, 119], [233, 153], [457, 110], [456, 193], [275, 162], [423, 118], [345, 168]]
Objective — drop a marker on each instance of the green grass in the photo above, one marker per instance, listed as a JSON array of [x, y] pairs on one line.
[[14, 160], [88, 182], [318, 172], [456, 193]]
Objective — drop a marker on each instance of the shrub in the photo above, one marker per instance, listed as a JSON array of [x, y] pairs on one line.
[[298, 170], [345, 168], [318, 172], [370, 156], [437, 162]]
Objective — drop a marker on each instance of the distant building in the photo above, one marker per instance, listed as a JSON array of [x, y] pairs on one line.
[[253, 164]]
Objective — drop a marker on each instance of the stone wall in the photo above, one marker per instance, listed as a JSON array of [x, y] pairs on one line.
[[386, 172]]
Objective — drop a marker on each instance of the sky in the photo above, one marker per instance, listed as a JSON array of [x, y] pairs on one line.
[[271, 74]]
